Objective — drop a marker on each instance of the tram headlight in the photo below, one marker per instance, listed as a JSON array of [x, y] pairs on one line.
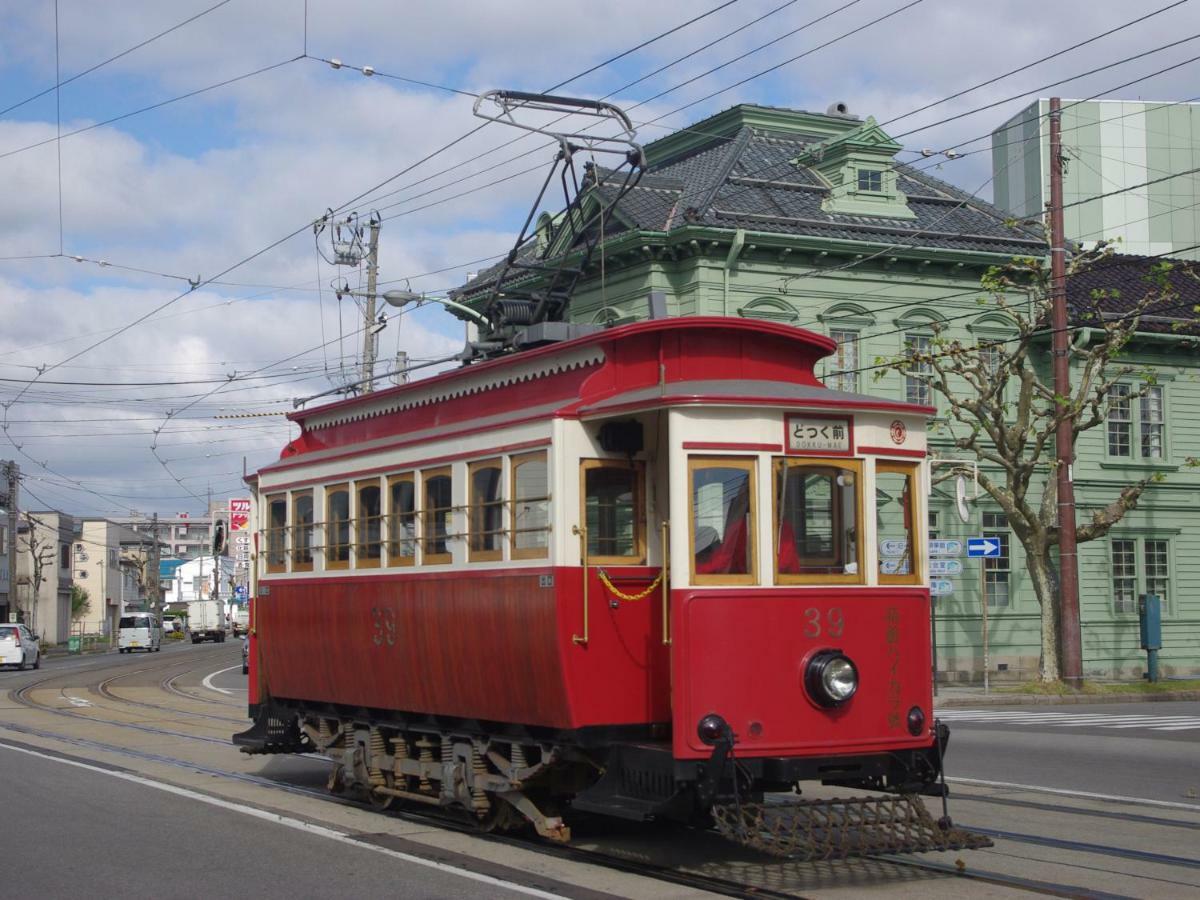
[[712, 728], [831, 678]]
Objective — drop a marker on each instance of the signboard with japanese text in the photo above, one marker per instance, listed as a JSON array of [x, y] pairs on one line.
[[941, 587], [945, 548], [945, 567], [897, 547], [826, 435], [239, 514]]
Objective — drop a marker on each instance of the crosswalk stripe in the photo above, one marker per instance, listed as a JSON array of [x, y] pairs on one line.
[[1073, 720]]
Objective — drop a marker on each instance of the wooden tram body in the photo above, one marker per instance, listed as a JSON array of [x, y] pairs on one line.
[[589, 573]]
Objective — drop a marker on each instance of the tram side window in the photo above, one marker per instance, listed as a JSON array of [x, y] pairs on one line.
[[302, 532], [613, 511], [337, 526], [402, 522], [487, 510], [530, 506], [368, 527], [435, 516], [816, 521], [276, 533], [722, 521], [896, 511]]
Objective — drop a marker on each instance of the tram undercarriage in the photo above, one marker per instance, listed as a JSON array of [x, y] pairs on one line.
[[507, 781]]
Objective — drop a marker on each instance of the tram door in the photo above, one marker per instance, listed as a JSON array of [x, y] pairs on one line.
[[625, 579]]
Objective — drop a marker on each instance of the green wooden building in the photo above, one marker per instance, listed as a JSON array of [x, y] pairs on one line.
[[810, 219]]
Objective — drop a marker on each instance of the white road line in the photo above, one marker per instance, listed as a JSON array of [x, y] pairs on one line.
[[1167, 804], [289, 822], [207, 682]]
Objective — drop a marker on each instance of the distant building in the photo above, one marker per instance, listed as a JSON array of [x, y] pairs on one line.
[[109, 562], [193, 580], [1110, 145]]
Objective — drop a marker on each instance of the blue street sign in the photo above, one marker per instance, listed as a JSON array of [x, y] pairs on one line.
[[941, 587], [986, 547]]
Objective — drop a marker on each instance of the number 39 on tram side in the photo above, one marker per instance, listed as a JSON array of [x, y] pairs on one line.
[[657, 571]]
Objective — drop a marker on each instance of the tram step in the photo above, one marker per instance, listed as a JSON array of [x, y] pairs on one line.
[[841, 827]]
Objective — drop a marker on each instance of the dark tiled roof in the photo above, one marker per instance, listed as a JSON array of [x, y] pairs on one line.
[[1118, 284], [748, 180]]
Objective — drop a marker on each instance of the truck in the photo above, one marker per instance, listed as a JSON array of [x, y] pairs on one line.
[[206, 621], [241, 620]]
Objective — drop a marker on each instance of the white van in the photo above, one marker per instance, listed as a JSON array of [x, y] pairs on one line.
[[139, 631]]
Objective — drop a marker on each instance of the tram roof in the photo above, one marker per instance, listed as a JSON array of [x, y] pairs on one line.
[[701, 360]]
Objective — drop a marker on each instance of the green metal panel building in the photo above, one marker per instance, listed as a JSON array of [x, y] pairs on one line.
[[1110, 145], [810, 219]]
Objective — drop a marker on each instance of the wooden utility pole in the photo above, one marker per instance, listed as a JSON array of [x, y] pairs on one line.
[[12, 476], [1070, 641]]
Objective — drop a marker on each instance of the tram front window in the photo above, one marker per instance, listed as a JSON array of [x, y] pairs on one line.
[[722, 533], [817, 521], [613, 511]]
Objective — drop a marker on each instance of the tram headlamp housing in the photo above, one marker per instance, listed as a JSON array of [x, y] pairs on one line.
[[916, 721], [830, 678], [712, 728]]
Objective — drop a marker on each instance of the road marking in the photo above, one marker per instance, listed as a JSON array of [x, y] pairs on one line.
[[207, 682], [1072, 720], [289, 822], [77, 701], [1167, 804]]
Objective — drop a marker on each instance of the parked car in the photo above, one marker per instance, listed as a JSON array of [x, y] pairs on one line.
[[246, 654], [169, 625], [139, 631], [19, 647]]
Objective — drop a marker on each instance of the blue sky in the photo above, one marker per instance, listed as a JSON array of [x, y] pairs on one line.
[[196, 186]]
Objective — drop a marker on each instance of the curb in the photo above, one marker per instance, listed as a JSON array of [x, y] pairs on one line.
[[1057, 700]]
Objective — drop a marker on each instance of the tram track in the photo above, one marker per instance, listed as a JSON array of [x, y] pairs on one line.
[[770, 878]]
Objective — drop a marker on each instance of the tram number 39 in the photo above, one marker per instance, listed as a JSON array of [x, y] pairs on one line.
[[834, 624], [383, 626]]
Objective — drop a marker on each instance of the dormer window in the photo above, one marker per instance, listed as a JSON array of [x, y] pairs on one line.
[[870, 180]]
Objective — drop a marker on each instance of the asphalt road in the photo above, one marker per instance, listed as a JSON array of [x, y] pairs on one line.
[[68, 828], [1143, 750]]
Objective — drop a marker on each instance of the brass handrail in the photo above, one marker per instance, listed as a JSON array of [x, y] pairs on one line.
[[666, 583], [581, 530]]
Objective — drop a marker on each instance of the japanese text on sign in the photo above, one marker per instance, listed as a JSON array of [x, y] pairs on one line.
[[239, 514], [817, 434]]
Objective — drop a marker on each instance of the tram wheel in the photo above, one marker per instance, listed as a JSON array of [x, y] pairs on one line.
[[380, 801]]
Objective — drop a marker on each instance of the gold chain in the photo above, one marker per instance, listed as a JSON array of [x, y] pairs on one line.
[[630, 598]]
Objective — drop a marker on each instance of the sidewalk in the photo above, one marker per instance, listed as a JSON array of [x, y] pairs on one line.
[[949, 696]]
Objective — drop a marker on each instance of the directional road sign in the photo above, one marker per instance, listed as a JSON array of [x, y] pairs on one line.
[[941, 587], [986, 547], [945, 567], [945, 548]]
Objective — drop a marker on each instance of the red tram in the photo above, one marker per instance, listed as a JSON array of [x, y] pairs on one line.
[[654, 571]]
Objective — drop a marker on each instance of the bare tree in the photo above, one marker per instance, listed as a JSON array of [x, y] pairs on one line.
[[43, 554], [1000, 406]]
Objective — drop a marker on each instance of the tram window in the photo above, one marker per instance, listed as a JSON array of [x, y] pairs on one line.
[[435, 516], [276, 533], [613, 513], [722, 522], [402, 522], [368, 525], [302, 532], [337, 526], [896, 511], [487, 510], [817, 514], [530, 506]]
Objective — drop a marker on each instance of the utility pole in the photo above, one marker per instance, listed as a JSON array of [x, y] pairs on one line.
[[1070, 640], [369, 332], [12, 475], [156, 596]]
